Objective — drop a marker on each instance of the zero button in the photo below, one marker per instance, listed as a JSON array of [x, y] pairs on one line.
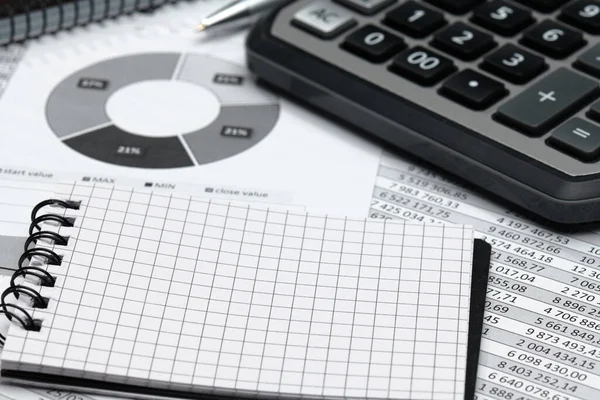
[[373, 44]]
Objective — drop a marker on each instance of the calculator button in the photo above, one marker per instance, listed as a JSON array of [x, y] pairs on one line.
[[462, 41], [584, 15], [514, 64], [547, 102], [553, 39], [414, 19], [594, 111], [367, 7], [578, 138], [543, 5], [455, 6], [422, 66], [324, 19], [502, 17], [373, 43], [473, 90], [589, 61]]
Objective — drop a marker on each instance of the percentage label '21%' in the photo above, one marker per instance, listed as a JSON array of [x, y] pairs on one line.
[[131, 151]]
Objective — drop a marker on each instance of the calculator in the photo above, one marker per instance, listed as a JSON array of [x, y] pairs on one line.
[[503, 93]]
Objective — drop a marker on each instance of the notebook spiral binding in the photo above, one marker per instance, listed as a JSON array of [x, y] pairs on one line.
[[52, 16], [14, 311]]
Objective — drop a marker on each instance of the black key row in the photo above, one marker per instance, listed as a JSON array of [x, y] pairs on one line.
[[551, 38], [506, 19], [468, 87], [460, 7], [499, 16], [533, 111], [509, 62]]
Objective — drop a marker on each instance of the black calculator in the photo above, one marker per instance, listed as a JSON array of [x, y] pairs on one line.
[[502, 93]]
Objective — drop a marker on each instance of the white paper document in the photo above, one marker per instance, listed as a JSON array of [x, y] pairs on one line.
[[161, 102], [541, 334], [21, 188]]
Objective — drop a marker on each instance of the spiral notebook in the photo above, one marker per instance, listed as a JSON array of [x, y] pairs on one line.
[[25, 19], [146, 294]]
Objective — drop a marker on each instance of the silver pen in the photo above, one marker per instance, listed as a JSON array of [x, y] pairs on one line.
[[236, 12]]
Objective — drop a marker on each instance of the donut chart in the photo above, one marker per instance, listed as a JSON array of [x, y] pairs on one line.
[[76, 111]]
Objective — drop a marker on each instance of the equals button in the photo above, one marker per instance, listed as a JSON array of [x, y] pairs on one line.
[[577, 138]]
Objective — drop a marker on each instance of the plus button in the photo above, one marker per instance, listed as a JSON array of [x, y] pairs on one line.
[[546, 96], [540, 107]]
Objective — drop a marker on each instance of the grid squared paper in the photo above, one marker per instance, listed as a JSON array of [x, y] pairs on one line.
[[176, 292]]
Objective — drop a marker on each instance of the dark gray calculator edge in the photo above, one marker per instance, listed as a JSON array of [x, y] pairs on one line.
[[564, 199]]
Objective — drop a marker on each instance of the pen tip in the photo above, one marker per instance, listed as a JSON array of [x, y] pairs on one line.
[[200, 28]]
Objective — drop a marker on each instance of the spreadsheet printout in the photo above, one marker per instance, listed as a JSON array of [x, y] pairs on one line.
[[541, 336]]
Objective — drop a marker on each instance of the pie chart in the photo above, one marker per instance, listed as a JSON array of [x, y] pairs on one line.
[[161, 110]]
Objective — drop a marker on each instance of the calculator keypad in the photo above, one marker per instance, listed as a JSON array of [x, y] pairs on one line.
[[512, 70]]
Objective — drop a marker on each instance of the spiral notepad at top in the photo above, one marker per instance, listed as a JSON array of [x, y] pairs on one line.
[[21, 20]]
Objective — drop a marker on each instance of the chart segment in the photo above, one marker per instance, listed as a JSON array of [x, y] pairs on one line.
[[231, 83], [78, 103], [235, 129], [115, 146]]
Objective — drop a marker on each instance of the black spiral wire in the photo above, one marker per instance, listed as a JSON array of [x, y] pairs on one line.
[[14, 311], [11, 9]]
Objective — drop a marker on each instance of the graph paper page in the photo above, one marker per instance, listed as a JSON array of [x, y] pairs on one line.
[[175, 292]]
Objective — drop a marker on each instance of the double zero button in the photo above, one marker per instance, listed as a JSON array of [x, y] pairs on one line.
[[422, 66], [373, 43]]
